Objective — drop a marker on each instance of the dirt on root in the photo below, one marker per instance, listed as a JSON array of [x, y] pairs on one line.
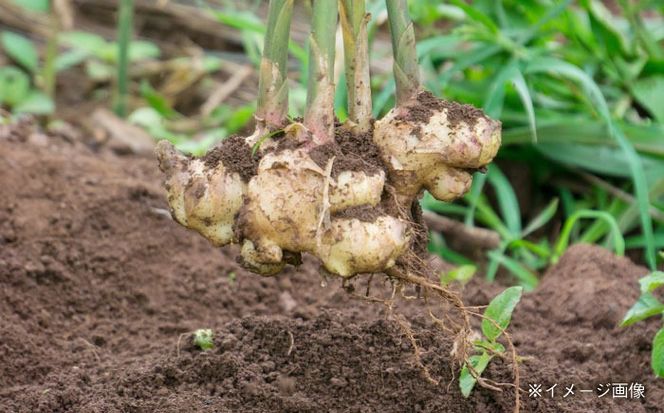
[[364, 213], [352, 152], [236, 155], [98, 286], [426, 105]]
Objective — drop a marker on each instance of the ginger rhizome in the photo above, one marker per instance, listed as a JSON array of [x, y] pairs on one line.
[[344, 193]]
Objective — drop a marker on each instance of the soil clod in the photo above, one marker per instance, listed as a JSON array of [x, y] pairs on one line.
[[236, 155]]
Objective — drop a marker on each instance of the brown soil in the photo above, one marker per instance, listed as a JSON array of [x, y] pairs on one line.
[[236, 155], [97, 286], [426, 104], [364, 213], [352, 152]]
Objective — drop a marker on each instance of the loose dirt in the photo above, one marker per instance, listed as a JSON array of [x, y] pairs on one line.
[[352, 152], [98, 285], [426, 105], [236, 155]]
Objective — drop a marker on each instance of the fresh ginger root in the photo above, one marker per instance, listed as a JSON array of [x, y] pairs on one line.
[[294, 204], [345, 193]]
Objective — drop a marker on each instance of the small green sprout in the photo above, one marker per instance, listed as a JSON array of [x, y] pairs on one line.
[[204, 339], [461, 274], [647, 306], [497, 317]]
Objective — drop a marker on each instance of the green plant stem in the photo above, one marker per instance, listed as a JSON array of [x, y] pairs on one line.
[[319, 114], [354, 20], [126, 14], [406, 69], [272, 84], [51, 53]]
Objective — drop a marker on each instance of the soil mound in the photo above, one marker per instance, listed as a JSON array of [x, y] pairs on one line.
[[97, 286]]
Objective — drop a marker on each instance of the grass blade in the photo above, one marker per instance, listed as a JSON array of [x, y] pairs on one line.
[[542, 218], [524, 94], [636, 168], [507, 202], [525, 277], [565, 234], [479, 179]]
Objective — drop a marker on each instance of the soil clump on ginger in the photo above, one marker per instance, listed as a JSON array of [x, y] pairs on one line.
[[236, 155], [427, 104]]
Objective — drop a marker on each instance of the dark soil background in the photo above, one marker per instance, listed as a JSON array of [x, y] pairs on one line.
[[98, 286]]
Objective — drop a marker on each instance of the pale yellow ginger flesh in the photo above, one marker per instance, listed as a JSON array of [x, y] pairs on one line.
[[292, 204]]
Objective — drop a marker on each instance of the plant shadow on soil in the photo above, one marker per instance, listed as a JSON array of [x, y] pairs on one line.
[[97, 284]]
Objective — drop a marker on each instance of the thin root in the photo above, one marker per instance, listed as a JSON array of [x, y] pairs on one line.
[[292, 343], [461, 329]]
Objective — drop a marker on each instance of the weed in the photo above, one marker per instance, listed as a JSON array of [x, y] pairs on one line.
[[496, 318], [203, 338], [648, 306]]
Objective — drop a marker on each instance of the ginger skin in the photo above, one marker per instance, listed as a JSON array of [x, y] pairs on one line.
[[289, 205]]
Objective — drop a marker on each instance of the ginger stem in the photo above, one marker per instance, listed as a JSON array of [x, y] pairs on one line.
[[406, 69], [319, 114], [354, 20], [272, 84]]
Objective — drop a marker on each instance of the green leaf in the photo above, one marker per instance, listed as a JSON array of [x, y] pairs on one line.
[[143, 50], [473, 197], [467, 59], [636, 167], [542, 218], [262, 140], [20, 49], [466, 380], [437, 246], [495, 256], [461, 274], [90, 42], [651, 282], [150, 120], [649, 92], [638, 241], [200, 145], [476, 15], [524, 94], [14, 85], [70, 59], [248, 22], [37, 103], [500, 311], [489, 345], [658, 353], [543, 250], [156, 100], [495, 96], [566, 232], [646, 306], [525, 276], [608, 160], [606, 29], [488, 217], [41, 6], [509, 205], [204, 339], [99, 71], [580, 130], [239, 118]]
